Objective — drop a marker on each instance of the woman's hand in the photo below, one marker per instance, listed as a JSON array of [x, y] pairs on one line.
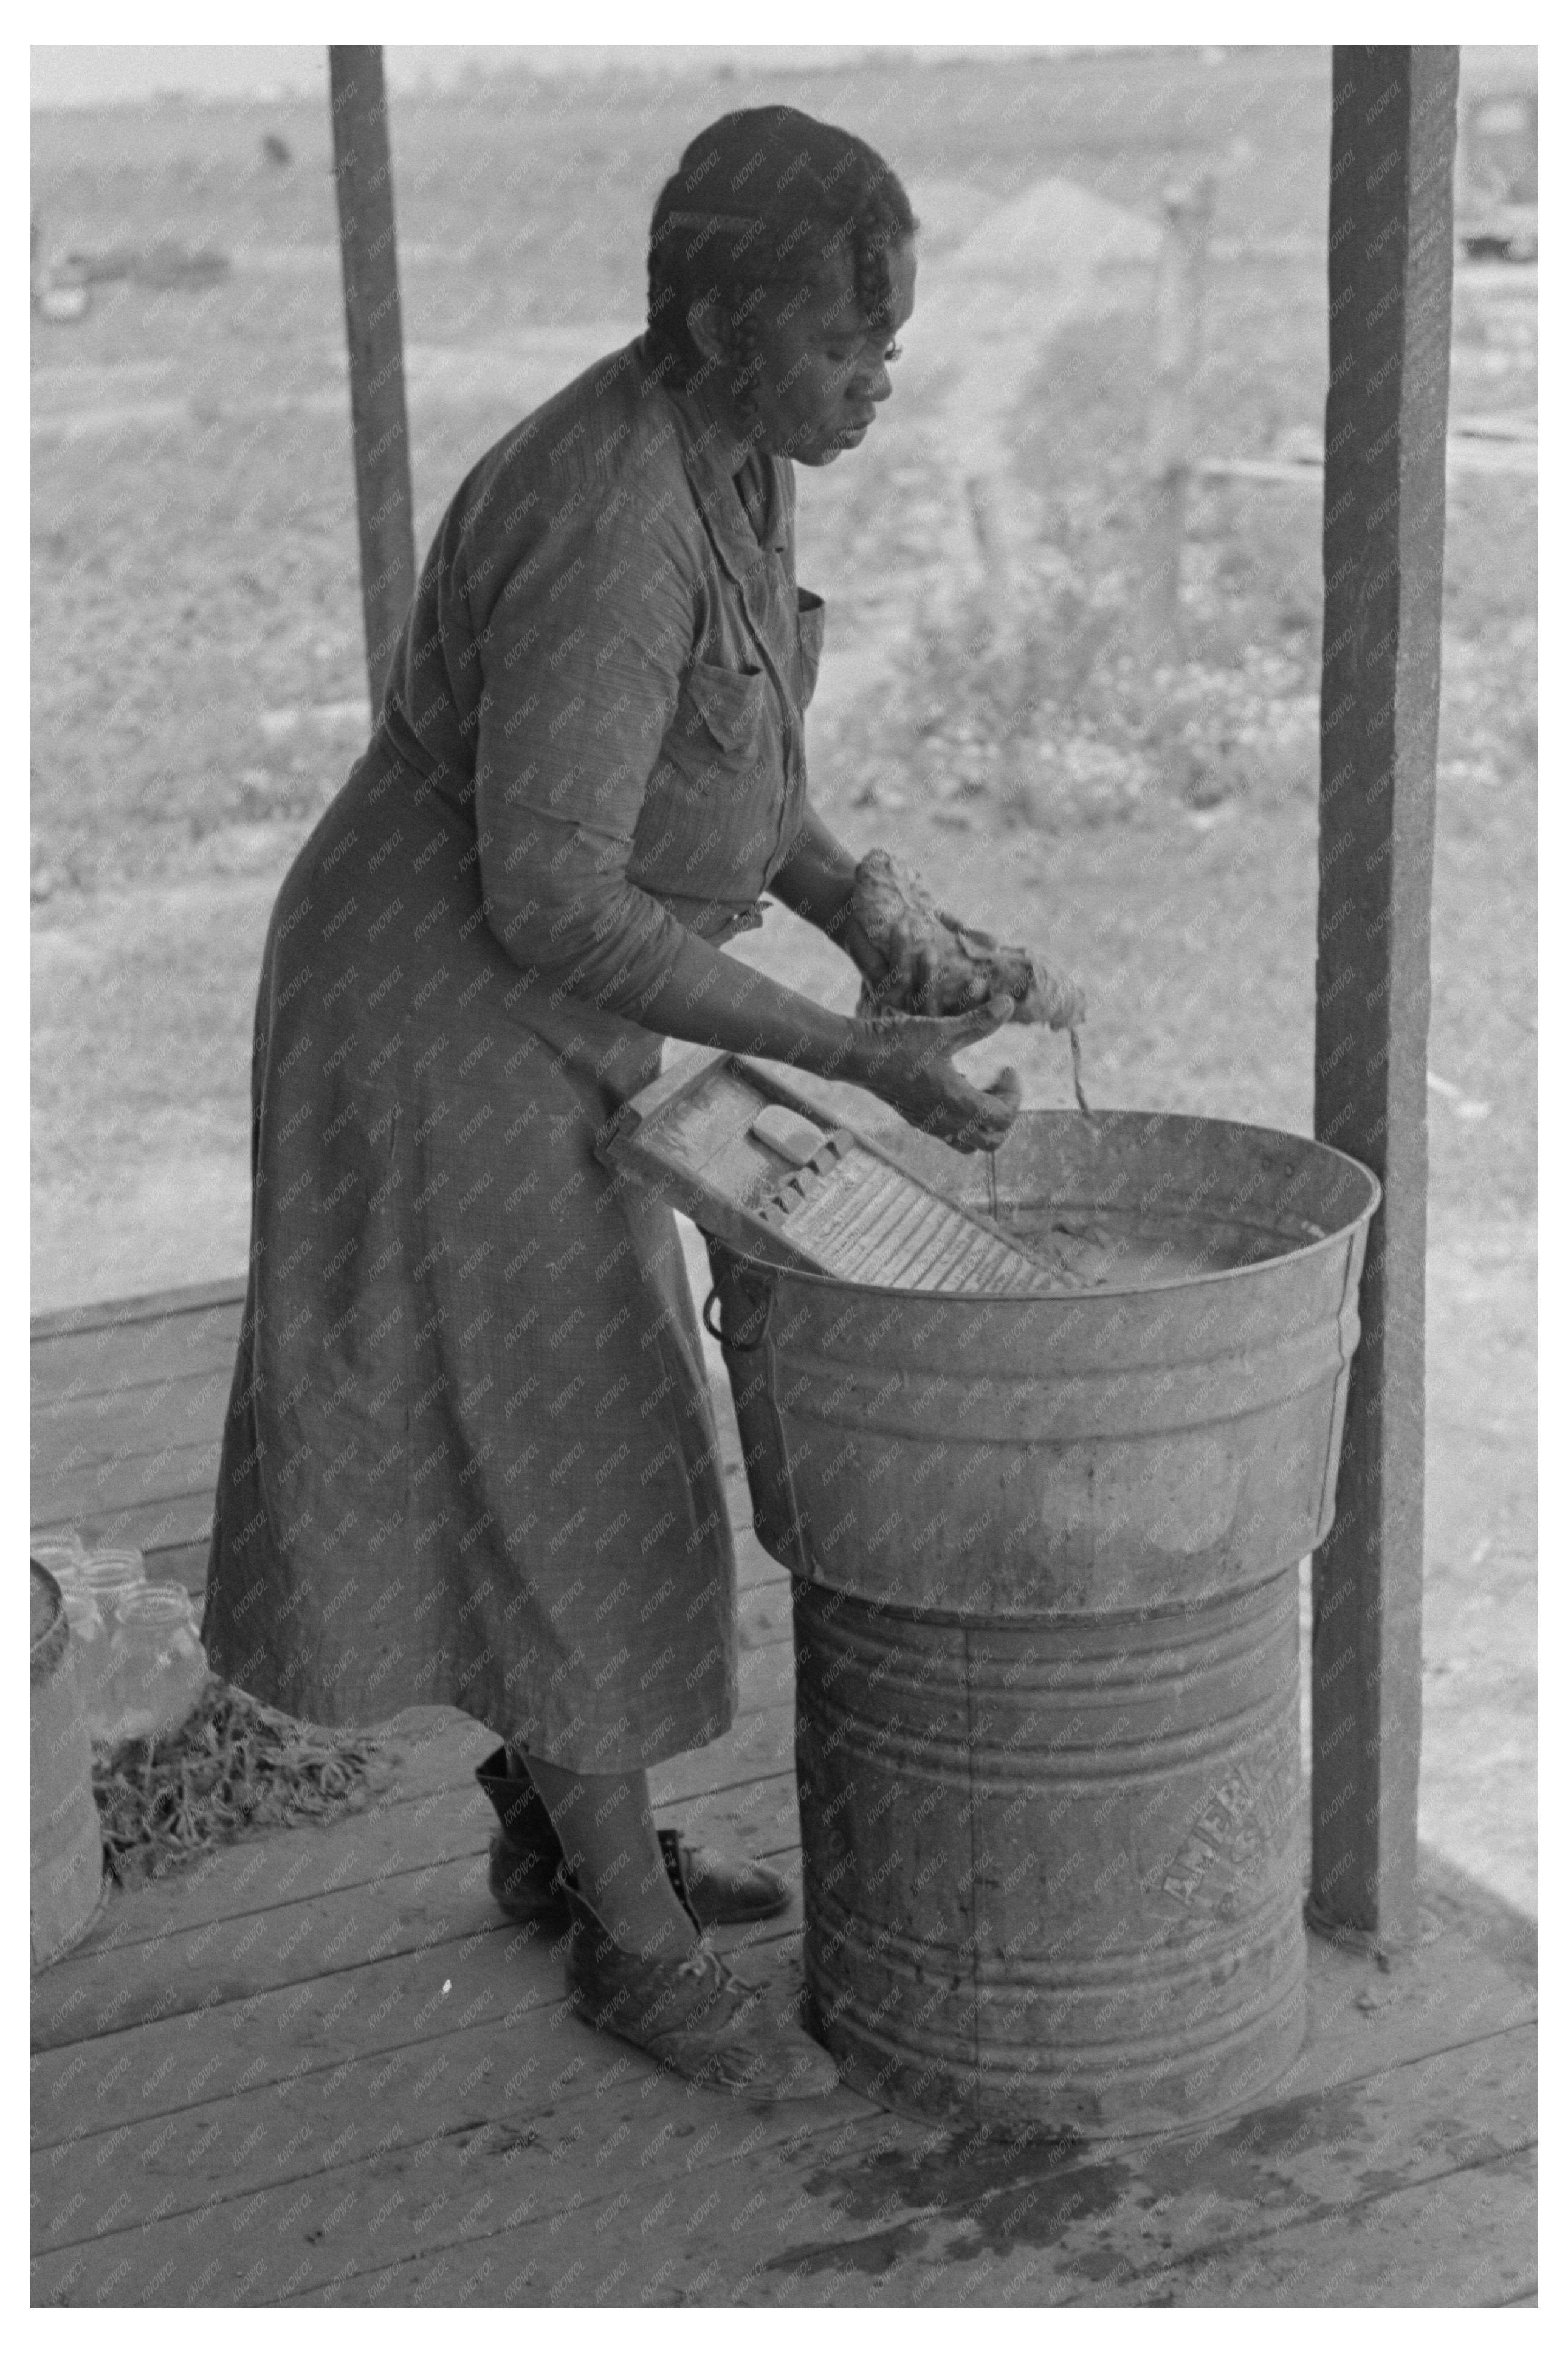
[[904, 1061]]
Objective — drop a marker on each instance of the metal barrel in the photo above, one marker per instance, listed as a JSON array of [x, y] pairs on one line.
[[1044, 1553]]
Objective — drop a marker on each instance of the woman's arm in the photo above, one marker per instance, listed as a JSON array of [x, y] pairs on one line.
[[817, 879], [707, 998]]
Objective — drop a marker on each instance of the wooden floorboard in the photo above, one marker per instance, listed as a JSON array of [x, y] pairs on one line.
[[83, 1359], [503, 2148], [224, 2016], [85, 1458], [318, 2068], [862, 2208], [470, 2137], [77, 1488], [143, 1307], [109, 1417], [138, 2074], [168, 1523]]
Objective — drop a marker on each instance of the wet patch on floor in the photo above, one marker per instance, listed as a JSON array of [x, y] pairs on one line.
[[1007, 2191]]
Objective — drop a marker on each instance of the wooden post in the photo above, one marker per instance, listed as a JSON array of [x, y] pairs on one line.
[[1178, 312], [384, 490], [1390, 284]]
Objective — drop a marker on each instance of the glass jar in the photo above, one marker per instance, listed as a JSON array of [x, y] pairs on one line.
[[126, 1557], [157, 1667], [89, 1655], [61, 1551], [112, 1574]]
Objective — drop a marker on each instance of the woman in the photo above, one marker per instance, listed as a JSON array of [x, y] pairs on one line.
[[470, 1456]]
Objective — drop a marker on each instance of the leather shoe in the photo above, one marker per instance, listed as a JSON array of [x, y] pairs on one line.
[[693, 2014], [528, 1867]]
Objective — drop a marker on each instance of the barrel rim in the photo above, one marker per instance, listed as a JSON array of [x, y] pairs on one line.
[[982, 1622], [1334, 1240]]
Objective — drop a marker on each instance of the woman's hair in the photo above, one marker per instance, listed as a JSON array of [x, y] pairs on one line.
[[762, 202]]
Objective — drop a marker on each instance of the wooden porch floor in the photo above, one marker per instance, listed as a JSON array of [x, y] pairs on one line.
[[318, 2070]]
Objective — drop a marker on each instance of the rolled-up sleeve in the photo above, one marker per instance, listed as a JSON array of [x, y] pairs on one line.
[[582, 656]]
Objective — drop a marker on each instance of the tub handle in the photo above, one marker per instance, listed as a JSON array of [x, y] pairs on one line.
[[737, 1347], [763, 1381]]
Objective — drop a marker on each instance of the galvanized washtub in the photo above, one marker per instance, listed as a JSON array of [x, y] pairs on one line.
[[1045, 1555]]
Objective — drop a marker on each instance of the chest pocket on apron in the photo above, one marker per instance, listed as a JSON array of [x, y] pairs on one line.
[[710, 815]]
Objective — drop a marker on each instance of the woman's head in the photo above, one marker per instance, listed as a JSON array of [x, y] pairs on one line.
[[781, 266]]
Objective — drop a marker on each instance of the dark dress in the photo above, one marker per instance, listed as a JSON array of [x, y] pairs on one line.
[[470, 1455]]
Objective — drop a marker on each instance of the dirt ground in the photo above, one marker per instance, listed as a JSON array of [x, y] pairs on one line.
[[198, 695]]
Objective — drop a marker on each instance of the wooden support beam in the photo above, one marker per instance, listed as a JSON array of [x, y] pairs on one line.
[[362, 167], [1389, 283]]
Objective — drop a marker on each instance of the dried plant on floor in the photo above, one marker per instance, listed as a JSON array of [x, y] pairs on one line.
[[232, 1766]]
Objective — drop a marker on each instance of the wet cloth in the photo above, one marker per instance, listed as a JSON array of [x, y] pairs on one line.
[[470, 1456]]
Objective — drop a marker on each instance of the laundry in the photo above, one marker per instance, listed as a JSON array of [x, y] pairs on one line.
[[937, 965]]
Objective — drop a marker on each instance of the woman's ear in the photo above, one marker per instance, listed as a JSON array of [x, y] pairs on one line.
[[708, 329]]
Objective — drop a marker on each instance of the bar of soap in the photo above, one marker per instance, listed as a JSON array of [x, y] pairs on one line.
[[799, 1139]]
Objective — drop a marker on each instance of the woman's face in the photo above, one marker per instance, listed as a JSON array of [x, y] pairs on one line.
[[822, 377]]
